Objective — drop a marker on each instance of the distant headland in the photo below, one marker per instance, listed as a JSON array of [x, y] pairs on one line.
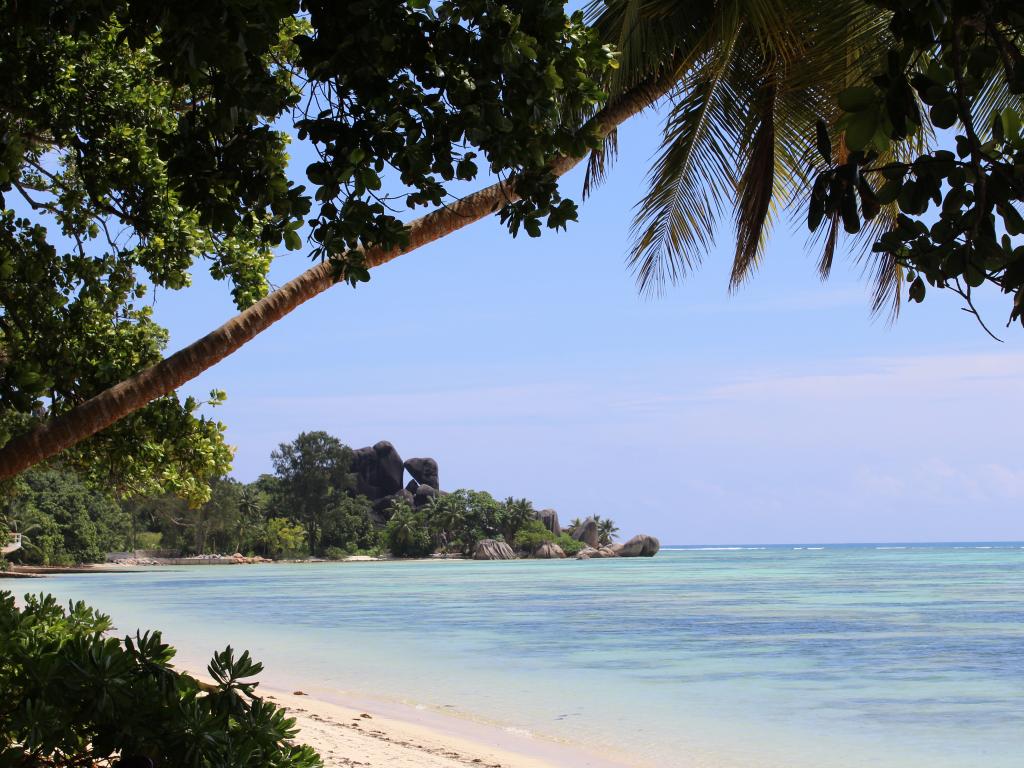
[[324, 501]]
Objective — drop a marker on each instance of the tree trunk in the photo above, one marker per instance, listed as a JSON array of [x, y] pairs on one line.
[[102, 410]]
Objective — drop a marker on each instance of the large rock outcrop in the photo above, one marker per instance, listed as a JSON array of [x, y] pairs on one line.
[[550, 519], [492, 549], [548, 551], [379, 470], [587, 532], [639, 546], [424, 472], [382, 507], [424, 493]]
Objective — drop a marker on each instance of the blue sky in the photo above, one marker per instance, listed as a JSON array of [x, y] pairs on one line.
[[784, 413]]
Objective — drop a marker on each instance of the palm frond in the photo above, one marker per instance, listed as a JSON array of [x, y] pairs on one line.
[[756, 187], [675, 221], [600, 162]]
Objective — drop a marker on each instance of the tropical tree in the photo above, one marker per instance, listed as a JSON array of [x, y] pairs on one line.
[[516, 513], [958, 67], [251, 504], [782, 104], [26, 530], [314, 471], [280, 537], [754, 77], [348, 524], [406, 533], [749, 81], [573, 525], [607, 530], [172, 139], [446, 518]]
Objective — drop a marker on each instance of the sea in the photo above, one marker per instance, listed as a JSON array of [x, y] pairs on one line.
[[788, 656]]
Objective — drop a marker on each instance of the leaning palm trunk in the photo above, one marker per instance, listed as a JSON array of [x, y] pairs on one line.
[[102, 410]]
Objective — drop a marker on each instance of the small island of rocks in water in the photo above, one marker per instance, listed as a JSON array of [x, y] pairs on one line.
[[491, 530], [323, 501]]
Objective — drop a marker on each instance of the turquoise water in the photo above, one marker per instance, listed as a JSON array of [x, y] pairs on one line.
[[837, 657]]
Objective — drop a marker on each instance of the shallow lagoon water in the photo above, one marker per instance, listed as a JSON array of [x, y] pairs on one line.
[[826, 656]]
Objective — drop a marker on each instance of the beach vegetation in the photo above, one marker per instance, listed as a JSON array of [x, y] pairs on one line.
[[141, 139], [407, 533], [348, 525], [314, 472], [531, 535], [281, 538], [75, 695], [607, 530], [569, 545], [65, 521], [769, 107]]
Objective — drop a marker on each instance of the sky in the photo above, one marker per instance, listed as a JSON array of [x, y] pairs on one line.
[[784, 413]]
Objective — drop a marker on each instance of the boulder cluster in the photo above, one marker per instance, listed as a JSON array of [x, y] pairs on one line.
[[380, 477], [586, 533]]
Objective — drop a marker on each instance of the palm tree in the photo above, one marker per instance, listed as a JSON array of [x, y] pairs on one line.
[[573, 525], [754, 79], [607, 530], [26, 529], [747, 79], [517, 513], [63, 431], [250, 513]]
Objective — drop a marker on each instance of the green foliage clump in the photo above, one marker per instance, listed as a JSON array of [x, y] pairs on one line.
[[62, 520], [283, 539], [569, 545], [407, 533], [531, 535], [348, 525], [75, 696], [139, 138], [313, 472], [950, 217]]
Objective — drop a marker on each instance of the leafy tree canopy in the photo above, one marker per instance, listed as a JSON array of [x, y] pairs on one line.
[[73, 695], [952, 65], [138, 138]]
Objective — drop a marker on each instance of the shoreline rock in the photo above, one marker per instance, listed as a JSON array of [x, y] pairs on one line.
[[587, 533], [641, 545], [549, 551], [492, 549]]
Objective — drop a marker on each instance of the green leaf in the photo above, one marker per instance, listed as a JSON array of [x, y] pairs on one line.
[[823, 141], [292, 241], [857, 98], [944, 113], [861, 129], [917, 290]]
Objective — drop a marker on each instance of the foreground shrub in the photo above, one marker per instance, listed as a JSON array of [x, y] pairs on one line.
[[531, 535], [569, 545], [72, 696]]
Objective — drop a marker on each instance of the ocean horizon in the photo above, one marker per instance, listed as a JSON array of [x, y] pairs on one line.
[[890, 654]]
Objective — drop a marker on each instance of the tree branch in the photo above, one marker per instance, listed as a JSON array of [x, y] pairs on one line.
[[163, 378]]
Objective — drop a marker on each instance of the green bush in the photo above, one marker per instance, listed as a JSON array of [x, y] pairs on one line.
[[531, 535], [406, 534], [148, 539], [75, 697], [284, 539], [569, 545]]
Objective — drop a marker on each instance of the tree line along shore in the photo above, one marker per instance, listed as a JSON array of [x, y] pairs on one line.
[[323, 500]]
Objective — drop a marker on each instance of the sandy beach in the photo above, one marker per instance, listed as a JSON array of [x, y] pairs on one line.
[[377, 734]]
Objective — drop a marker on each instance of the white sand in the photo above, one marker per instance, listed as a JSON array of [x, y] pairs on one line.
[[376, 734]]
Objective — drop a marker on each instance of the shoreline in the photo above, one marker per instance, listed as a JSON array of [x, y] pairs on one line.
[[374, 733]]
